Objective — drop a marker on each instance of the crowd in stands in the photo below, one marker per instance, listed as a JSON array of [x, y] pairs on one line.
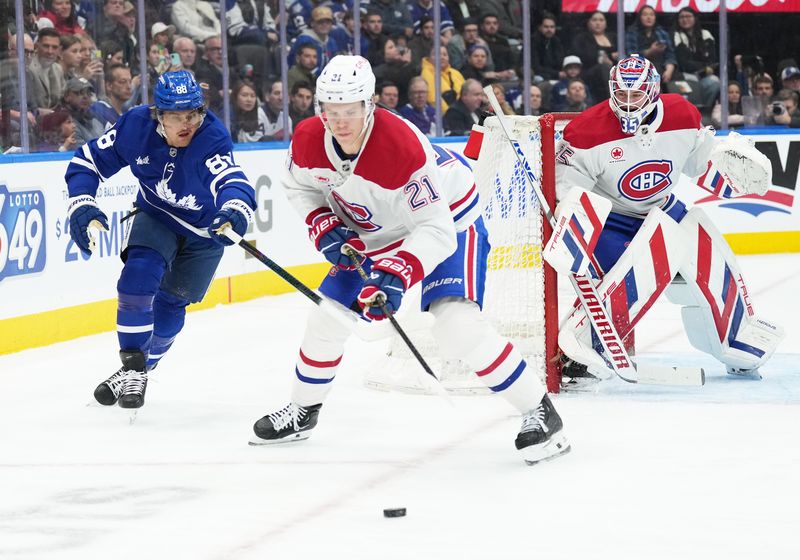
[[83, 71]]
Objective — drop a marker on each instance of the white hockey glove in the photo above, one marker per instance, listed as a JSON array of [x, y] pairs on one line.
[[580, 217], [744, 168]]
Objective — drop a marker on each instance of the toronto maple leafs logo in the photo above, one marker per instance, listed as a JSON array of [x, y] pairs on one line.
[[188, 202]]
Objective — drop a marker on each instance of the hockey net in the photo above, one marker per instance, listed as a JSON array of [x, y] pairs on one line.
[[521, 298]]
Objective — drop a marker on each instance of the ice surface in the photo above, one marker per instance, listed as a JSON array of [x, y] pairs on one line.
[[655, 472]]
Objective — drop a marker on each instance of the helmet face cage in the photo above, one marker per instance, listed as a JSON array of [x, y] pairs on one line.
[[178, 91], [346, 79], [635, 86]]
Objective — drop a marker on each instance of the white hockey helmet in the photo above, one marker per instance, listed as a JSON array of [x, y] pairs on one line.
[[346, 79], [635, 86]]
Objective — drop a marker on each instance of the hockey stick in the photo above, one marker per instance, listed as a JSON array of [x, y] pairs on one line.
[[346, 317], [614, 348], [380, 301]]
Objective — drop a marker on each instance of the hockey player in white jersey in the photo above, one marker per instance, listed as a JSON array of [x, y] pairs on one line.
[[631, 151], [189, 187], [365, 178]]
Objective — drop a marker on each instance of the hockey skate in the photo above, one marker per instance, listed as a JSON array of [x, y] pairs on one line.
[[575, 377], [135, 383], [740, 373], [540, 436], [108, 392], [291, 423]]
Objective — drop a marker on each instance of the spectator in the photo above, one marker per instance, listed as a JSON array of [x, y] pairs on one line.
[[157, 64], [187, 50], [319, 36], [195, 19], [48, 79], [464, 10], [547, 52], [696, 52], [502, 54], [62, 15], [764, 88], [395, 15], [500, 93], [273, 109], [458, 47], [119, 91], [373, 31], [344, 36], [245, 27], [58, 133], [652, 41], [475, 68], [300, 103], [575, 99], [537, 109], [597, 50], [305, 67], [208, 70], [112, 54], [790, 78], [388, 96], [9, 85], [572, 70], [508, 14], [736, 117], [249, 122], [424, 8], [77, 100], [451, 81], [422, 41], [160, 34], [418, 110], [397, 67], [784, 109], [126, 35], [463, 114]]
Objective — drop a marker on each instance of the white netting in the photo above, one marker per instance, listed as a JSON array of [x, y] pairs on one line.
[[514, 297]]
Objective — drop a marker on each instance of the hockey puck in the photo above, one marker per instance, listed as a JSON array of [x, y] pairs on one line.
[[394, 512]]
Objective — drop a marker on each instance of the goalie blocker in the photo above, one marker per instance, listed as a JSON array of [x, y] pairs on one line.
[[683, 253]]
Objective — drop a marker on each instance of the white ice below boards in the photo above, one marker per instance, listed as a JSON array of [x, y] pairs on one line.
[[654, 472]]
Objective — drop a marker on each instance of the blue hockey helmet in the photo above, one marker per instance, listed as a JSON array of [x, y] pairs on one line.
[[178, 91]]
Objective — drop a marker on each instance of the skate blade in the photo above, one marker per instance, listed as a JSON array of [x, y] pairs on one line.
[[751, 376], [133, 414], [556, 446], [256, 441]]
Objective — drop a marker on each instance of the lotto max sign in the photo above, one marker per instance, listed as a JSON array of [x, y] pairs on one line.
[[22, 232]]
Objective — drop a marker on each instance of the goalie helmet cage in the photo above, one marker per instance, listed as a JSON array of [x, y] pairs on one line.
[[521, 297]]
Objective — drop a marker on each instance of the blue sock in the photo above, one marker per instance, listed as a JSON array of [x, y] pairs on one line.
[[137, 287], [169, 314]]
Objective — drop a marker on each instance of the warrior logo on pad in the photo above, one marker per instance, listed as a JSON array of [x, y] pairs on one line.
[[645, 180], [359, 214]]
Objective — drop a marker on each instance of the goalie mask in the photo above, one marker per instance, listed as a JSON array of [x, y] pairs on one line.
[[634, 85], [346, 79]]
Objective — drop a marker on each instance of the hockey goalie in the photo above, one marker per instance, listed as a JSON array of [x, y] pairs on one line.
[[615, 168]]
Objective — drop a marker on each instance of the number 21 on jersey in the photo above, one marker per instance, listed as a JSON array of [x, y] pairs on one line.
[[420, 193]]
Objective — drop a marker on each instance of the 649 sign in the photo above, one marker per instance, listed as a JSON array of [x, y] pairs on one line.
[[22, 241]]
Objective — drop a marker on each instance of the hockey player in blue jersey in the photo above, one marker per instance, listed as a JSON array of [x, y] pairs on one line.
[[189, 186]]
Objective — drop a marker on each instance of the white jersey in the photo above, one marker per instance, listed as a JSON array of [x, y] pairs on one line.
[[635, 172], [399, 194]]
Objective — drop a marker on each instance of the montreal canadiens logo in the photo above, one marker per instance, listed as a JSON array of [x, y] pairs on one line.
[[645, 180], [360, 215]]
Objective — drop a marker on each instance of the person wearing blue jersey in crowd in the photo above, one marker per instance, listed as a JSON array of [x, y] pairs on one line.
[[189, 187]]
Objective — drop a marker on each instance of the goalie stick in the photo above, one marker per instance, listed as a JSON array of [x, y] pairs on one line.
[[346, 317], [616, 355]]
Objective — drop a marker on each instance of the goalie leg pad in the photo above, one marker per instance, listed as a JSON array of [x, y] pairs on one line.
[[718, 314], [462, 331], [319, 358], [630, 288]]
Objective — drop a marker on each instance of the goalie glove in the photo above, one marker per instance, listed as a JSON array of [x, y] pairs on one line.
[[744, 169], [580, 217]]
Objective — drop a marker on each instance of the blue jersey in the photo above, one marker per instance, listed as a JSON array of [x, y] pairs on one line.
[[180, 187]]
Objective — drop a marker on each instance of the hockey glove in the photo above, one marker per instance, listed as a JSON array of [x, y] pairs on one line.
[[330, 236], [388, 282], [82, 213], [745, 169], [236, 214]]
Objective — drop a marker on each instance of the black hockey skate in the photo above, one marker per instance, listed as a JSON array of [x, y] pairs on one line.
[[575, 376], [540, 436], [109, 390], [135, 381], [291, 423]]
